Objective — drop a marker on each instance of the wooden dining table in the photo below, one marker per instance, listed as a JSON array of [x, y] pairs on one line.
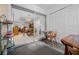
[[70, 41]]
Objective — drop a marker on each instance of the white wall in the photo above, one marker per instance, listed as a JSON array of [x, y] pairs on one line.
[[3, 9], [6, 10], [65, 22]]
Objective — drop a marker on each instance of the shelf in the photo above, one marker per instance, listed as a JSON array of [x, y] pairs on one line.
[[6, 22], [5, 38]]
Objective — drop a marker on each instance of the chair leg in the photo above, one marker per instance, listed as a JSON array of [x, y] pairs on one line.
[[54, 42]]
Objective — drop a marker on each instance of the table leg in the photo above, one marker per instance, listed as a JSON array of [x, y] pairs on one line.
[[66, 50]]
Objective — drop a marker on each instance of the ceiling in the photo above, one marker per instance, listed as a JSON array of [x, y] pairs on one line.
[[49, 8], [44, 8]]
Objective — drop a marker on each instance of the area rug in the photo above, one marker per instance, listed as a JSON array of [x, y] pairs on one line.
[[35, 48]]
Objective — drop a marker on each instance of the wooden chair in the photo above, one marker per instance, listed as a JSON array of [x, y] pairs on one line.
[[15, 30], [51, 36]]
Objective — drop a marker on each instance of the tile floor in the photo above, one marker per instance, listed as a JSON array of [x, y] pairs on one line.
[[25, 45], [36, 48]]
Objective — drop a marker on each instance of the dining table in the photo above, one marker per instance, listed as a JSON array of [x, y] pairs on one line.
[[72, 41]]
